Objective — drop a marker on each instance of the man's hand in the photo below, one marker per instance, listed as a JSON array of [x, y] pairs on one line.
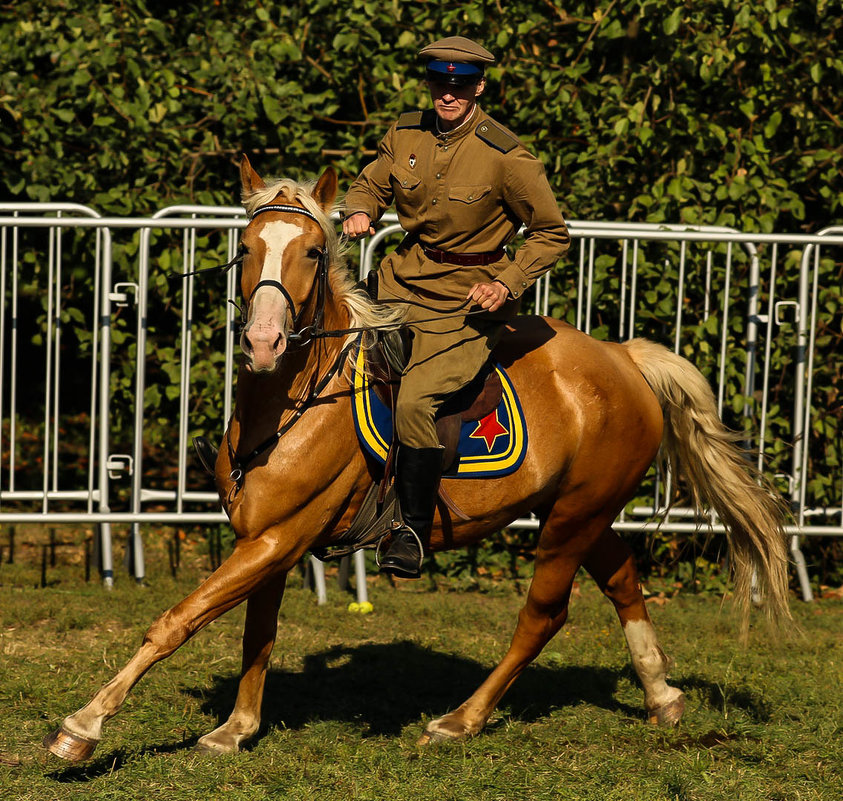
[[357, 225], [490, 296]]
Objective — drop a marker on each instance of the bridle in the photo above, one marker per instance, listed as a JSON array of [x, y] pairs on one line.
[[312, 331], [297, 336], [304, 335]]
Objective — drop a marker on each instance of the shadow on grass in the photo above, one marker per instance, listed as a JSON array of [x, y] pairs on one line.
[[384, 687], [381, 688]]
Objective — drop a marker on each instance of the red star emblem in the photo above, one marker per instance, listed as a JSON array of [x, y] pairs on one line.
[[489, 429], [451, 68]]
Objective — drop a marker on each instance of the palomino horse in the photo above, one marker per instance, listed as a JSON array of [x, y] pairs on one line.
[[598, 413]]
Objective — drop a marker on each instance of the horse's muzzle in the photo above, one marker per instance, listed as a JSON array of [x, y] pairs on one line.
[[263, 347]]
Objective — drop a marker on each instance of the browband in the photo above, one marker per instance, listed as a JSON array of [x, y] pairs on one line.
[[285, 208]]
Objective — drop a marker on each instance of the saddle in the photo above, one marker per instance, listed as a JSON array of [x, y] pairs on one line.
[[385, 363]]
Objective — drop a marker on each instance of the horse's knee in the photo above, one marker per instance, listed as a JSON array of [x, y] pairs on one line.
[[165, 635]]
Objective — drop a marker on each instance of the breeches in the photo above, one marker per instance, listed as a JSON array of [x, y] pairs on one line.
[[446, 355]]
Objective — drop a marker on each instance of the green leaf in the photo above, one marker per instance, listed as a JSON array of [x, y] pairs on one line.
[[671, 24]]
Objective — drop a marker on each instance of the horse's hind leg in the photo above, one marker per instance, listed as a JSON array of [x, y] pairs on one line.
[[544, 613], [258, 639], [612, 565]]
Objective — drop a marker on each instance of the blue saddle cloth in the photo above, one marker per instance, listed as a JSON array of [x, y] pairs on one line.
[[492, 447]]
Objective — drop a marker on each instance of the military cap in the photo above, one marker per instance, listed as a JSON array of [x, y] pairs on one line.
[[455, 60], [457, 49]]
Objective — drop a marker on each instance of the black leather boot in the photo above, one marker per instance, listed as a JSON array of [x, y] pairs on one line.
[[417, 475]]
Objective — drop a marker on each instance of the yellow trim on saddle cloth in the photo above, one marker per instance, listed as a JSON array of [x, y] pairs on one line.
[[374, 429]]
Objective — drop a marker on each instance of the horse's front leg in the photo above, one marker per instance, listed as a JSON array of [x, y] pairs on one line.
[[250, 565], [258, 640]]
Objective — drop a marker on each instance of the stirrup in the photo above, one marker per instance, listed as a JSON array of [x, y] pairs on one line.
[[206, 453], [403, 528]]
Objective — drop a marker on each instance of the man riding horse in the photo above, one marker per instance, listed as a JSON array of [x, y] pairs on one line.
[[463, 185]]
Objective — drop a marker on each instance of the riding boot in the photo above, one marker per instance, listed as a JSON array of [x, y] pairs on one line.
[[417, 475]]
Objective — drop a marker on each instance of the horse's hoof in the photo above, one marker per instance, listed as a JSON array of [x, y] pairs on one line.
[[67, 745], [437, 731], [206, 748], [670, 714], [430, 737]]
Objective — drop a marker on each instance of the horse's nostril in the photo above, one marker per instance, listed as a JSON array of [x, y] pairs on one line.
[[247, 345], [277, 343]]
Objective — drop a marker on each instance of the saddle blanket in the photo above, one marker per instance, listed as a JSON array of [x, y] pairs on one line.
[[492, 447]]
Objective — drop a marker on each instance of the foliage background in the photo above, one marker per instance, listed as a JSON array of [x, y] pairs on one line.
[[713, 111], [722, 112]]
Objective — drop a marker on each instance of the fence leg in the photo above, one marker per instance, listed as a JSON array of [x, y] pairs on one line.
[[801, 569], [318, 572], [137, 554], [106, 557], [360, 576]]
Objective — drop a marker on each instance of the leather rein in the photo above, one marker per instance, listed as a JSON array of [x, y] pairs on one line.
[[306, 334]]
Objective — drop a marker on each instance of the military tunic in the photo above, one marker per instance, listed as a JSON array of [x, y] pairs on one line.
[[465, 191]]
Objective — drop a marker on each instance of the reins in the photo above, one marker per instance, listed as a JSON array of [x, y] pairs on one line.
[[307, 334], [238, 471]]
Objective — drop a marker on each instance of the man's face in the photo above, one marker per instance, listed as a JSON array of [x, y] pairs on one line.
[[454, 103]]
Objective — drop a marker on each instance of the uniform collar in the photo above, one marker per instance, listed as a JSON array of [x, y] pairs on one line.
[[458, 133]]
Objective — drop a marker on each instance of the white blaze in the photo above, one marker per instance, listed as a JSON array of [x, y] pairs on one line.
[[276, 236]]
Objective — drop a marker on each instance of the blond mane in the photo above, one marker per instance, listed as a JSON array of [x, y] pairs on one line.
[[362, 310]]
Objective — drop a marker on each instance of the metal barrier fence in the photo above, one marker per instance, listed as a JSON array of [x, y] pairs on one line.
[[121, 381]]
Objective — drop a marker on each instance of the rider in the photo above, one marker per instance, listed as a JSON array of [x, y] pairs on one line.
[[463, 185]]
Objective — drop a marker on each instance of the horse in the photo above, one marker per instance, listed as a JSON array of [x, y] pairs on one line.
[[291, 474]]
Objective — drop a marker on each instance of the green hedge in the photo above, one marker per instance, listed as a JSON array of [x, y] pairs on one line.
[[711, 111]]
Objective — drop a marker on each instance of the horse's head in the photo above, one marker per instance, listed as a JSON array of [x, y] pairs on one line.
[[284, 246]]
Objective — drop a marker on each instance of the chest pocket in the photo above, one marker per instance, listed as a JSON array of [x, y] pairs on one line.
[[468, 194], [403, 181]]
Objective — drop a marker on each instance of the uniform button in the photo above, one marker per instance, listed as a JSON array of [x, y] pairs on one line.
[[523, 283], [471, 197], [445, 148], [484, 128], [403, 183], [434, 201], [438, 174]]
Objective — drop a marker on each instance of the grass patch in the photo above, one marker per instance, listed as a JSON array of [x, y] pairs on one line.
[[347, 696]]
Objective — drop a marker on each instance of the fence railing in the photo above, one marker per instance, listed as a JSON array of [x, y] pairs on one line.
[[101, 391]]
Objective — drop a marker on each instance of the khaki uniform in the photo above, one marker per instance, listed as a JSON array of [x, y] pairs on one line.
[[466, 191]]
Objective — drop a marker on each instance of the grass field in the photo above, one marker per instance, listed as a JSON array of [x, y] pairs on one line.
[[348, 695]]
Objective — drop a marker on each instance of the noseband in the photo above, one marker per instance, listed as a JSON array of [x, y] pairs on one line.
[[305, 334]]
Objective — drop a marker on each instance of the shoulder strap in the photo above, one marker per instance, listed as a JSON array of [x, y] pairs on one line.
[[496, 136], [415, 119]]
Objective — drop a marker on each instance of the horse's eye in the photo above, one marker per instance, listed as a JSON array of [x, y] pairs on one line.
[[314, 253]]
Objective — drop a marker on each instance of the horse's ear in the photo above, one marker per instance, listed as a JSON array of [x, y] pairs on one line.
[[325, 191], [250, 181]]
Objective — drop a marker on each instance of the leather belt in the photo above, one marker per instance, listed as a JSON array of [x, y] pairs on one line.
[[462, 259]]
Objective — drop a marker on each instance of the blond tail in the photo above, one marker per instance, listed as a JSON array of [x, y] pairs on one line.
[[701, 449]]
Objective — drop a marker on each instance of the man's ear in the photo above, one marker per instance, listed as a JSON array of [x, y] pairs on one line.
[[481, 86]]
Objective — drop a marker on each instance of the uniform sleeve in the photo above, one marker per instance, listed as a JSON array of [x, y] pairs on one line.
[[528, 193], [372, 191]]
